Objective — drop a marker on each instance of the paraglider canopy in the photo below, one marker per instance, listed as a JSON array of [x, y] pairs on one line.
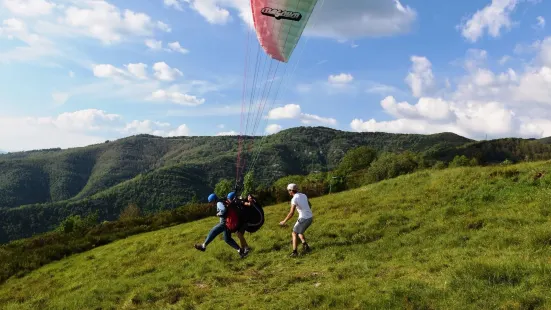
[[279, 24]]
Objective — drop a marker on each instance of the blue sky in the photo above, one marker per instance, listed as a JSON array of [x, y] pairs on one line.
[[74, 73]]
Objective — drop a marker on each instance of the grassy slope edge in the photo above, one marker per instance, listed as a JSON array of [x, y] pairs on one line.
[[464, 238]]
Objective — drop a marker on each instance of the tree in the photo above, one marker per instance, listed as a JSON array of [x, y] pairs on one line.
[[223, 188], [248, 184], [130, 212], [357, 159], [391, 165], [460, 161]]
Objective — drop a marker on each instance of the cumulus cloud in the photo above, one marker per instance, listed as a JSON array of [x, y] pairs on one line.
[[35, 47], [154, 44], [161, 70], [176, 47], [484, 102], [106, 22], [420, 78], [78, 128], [164, 27], [228, 133], [137, 81], [174, 4], [540, 22], [29, 8], [273, 128], [359, 19], [164, 72], [155, 128], [138, 70], [288, 111], [342, 78], [108, 71], [492, 18], [434, 109], [31, 134], [176, 97], [356, 19], [293, 111]]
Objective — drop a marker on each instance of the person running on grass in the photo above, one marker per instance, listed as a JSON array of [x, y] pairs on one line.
[[301, 204], [219, 228]]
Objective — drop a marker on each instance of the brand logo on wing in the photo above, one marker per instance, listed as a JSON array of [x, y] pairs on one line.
[[282, 14]]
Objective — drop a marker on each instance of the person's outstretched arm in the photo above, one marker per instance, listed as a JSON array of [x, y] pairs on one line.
[[290, 215]]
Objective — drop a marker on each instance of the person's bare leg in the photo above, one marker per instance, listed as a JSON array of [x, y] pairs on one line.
[[305, 245], [242, 240]]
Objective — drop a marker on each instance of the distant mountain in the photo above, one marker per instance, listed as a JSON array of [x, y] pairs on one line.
[[40, 188]]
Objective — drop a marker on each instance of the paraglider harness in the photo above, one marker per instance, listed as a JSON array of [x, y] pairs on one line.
[[242, 218]]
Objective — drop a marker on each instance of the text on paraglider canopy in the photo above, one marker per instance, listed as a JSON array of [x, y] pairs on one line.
[[281, 14]]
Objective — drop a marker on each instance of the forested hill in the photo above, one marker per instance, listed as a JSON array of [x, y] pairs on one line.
[[57, 175], [38, 189]]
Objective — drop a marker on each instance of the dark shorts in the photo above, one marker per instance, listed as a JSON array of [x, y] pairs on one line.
[[301, 225]]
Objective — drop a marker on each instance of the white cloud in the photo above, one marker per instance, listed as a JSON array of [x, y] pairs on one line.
[[212, 11], [293, 111], [103, 21], [420, 78], [174, 4], [84, 120], [541, 22], [228, 133], [503, 60], [426, 108], [288, 111], [356, 19], [108, 71], [175, 46], [359, 19], [417, 126], [155, 128], [164, 72], [310, 119], [71, 74], [273, 128], [60, 98], [29, 8], [382, 89], [514, 102], [176, 97], [36, 46], [74, 129], [164, 27], [494, 17], [154, 44], [31, 135], [342, 78], [138, 70], [544, 54], [182, 130]]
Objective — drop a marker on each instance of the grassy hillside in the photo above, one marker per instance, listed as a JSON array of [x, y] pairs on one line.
[[462, 238]]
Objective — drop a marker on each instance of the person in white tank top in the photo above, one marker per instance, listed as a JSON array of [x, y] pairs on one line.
[[301, 204]]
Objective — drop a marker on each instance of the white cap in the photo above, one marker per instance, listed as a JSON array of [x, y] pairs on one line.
[[292, 187]]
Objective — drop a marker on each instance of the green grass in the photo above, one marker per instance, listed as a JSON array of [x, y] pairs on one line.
[[465, 238]]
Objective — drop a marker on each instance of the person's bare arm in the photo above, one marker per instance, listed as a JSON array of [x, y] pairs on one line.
[[290, 215]]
